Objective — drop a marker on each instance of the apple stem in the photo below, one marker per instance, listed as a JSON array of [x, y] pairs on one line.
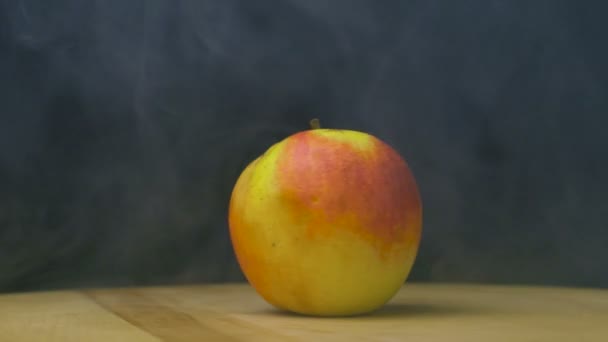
[[315, 124]]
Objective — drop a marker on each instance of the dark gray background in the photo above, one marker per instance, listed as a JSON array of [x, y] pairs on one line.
[[124, 125]]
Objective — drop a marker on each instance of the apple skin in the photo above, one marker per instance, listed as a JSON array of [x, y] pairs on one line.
[[326, 222]]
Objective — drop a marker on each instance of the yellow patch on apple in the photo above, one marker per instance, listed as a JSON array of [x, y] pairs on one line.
[[326, 222]]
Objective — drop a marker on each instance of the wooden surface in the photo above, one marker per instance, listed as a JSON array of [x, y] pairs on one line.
[[420, 312]]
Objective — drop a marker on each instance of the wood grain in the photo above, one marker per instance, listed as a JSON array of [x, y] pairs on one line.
[[234, 312]]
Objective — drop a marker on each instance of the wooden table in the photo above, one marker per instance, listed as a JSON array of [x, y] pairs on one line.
[[420, 312]]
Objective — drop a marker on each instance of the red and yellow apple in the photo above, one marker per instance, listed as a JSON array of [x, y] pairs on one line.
[[326, 222]]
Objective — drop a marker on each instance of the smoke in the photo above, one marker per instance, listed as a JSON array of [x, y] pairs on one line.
[[125, 125]]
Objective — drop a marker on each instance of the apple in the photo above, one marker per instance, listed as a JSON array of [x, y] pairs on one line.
[[327, 222]]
